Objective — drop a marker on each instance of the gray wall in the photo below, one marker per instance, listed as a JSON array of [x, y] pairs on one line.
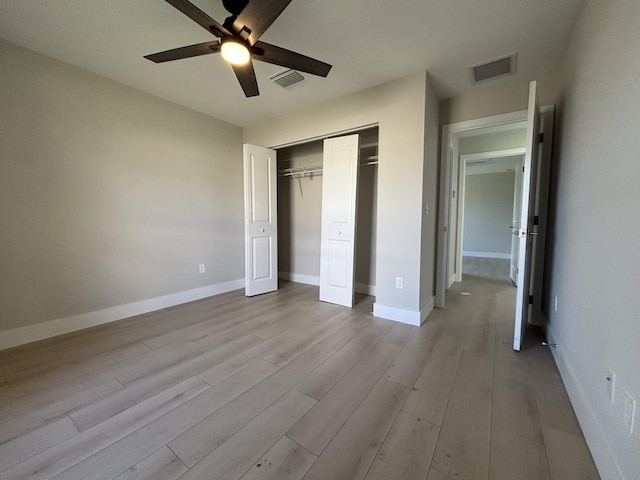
[[488, 210], [492, 142], [299, 215], [108, 195], [430, 181], [488, 100], [595, 259]]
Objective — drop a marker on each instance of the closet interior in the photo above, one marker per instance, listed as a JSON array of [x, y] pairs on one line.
[[300, 212]]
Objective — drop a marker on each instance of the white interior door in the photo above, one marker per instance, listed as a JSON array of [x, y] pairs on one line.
[[526, 235], [260, 220], [515, 223], [337, 238]]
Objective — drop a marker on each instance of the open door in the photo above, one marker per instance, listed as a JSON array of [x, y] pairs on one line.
[[525, 232], [515, 223], [260, 220], [337, 238]]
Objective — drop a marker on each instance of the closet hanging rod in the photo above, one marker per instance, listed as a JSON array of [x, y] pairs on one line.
[[316, 169]]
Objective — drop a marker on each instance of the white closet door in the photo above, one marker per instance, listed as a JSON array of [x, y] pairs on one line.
[[261, 220], [337, 242], [525, 232]]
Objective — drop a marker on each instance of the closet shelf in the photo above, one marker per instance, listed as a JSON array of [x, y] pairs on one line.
[[301, 172]]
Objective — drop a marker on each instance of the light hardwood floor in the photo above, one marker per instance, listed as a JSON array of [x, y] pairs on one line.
[[284, 387]]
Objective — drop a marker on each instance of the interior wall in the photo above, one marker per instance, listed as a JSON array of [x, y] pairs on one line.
[[299, 214], [108, 196], [492, 142], [430, 182], [593, 242], [488, 100], [488, 210], [367, 215], [398, 108]]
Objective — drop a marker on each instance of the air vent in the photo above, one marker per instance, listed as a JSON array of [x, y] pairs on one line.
[[493, 69], [286, 78]]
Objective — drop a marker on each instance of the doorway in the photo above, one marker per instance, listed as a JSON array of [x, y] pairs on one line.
[[490, 186], [539, 125], [299, 202]]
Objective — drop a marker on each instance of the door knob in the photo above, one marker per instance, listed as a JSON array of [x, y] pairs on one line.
[[262, 230], [339, 232]]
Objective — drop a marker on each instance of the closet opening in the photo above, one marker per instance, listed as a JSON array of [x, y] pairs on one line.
[[300, 195]]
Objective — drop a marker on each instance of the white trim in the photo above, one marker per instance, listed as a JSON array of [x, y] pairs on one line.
[[60, 326], [402, 315], [486, 254], [299, 278], [507, 152], [593, 433], [324, 136], [365, 289], [314, 280]]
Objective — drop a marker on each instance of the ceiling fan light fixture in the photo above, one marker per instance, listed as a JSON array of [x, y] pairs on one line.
[[235, 51]]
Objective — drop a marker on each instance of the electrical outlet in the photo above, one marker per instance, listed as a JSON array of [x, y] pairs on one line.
[[630, 407], [202, 268], [611, 386], [399, 282]]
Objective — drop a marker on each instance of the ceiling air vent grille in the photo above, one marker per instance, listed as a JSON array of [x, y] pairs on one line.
[[493, 69], [286, 78]]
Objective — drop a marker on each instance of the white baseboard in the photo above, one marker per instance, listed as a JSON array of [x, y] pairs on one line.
[[60, 326], [313, 280], [365, 289], [298, 278], [504, 256], [402, 315], [593, 433]]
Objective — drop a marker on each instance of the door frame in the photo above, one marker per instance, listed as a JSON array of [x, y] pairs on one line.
[[451, 133], [462, 169], [338, 133]]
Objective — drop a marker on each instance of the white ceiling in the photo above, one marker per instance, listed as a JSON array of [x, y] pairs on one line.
[[368, 42]]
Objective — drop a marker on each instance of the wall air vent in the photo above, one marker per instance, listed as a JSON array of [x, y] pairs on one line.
[[286, 78], [497, 68]]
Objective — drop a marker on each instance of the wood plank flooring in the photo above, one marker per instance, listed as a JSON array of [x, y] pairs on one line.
[[284, 387]]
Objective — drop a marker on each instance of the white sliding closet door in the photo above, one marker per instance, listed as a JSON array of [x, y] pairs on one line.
[[337, 239], [260, 220]]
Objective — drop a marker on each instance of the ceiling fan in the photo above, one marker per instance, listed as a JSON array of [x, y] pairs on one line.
[[239, 43]]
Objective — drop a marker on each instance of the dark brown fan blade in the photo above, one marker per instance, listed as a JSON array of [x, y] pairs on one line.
[[266, 52], [185, 52], [201, 18], [257, 16], [247, 78]]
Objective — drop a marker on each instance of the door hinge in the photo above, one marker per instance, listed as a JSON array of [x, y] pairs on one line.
[[530, 299], [523, 169], [536, 220], [541, 137]]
